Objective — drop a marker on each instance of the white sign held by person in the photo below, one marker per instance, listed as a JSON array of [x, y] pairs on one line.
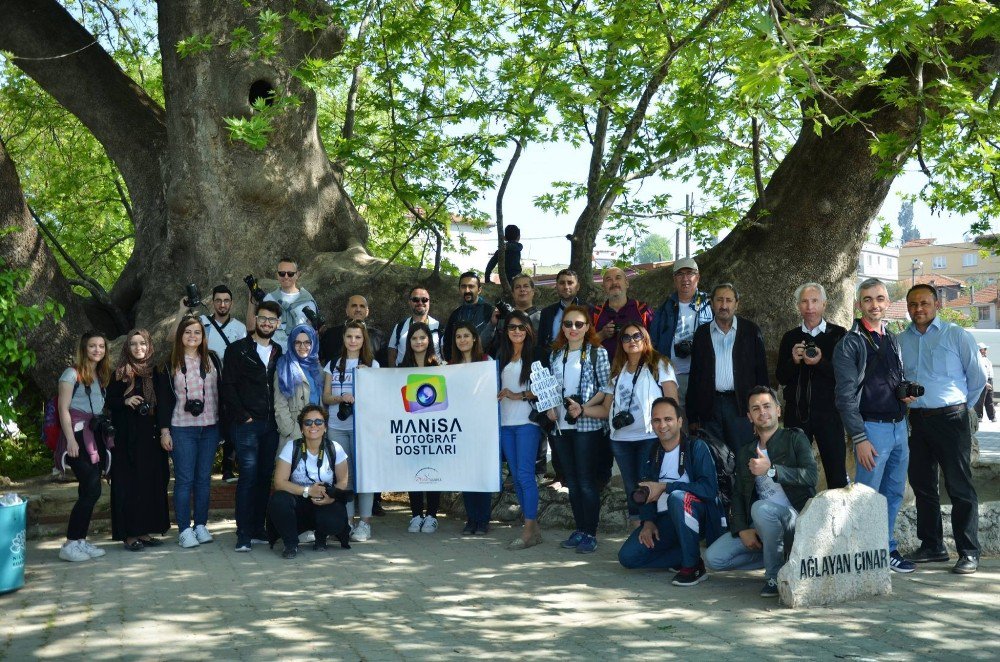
[[434, 429]]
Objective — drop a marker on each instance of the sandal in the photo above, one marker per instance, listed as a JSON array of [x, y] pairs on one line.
[[134, 546], [150, 542], [521, 543]]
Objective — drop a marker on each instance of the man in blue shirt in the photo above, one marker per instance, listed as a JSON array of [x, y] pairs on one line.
[[675, 321], [943, 358]]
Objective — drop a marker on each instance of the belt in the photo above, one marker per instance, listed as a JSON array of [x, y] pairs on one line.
[[935, 412], [884, 420]]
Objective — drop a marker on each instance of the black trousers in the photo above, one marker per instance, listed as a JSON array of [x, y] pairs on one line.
[[827, 430], [986, 399], [727, 423], [417, 503], [88, 491], [944, 440], [290, 515]]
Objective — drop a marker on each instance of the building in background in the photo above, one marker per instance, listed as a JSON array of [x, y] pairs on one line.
[[963, 261], [979, 305], [878, 262]]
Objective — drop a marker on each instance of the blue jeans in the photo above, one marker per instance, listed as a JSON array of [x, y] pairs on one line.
[[194, 454], [677, 546], [256, 445], [889, 475], [775, 525], [631, 455], [477, 506], [519, 444], [579, 454]]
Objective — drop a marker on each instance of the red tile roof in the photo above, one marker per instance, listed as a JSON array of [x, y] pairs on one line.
[[916, 243], [897, 311], [986, 295], [938, 280]]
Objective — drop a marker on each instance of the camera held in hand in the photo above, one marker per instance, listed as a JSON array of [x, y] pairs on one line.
[[622, 419], [683, 348], [811, 350], [907, 389], [193, 297], [102, 426], [143, 409], [345, 411], [339, 495], [569, 418], [317, 320], [194, 407], [640, 495], [504, 307], [542, 420], [255, 292]]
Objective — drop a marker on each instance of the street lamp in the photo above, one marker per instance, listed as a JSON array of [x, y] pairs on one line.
[[914, 267]]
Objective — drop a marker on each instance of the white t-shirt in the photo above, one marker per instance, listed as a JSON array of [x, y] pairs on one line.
[[264, 352], [338, 388], [570, 379], [669, 469], [400, 346], [769, 490], [686, 320], [306, 472], [233, 330], [647, 389], [513, 412]]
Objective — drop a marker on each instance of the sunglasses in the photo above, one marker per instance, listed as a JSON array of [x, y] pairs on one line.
[[635, 337], [516, 327], [419, 299], [310, 422], [574, 325], [287, 274]]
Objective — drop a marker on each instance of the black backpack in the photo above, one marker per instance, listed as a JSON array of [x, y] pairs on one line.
[[725, 471]]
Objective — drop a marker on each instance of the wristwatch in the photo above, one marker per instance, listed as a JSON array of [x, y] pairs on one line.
[[772, 472], [305, 491]]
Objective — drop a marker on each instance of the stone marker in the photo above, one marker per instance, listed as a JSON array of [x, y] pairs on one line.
[[841, 549]]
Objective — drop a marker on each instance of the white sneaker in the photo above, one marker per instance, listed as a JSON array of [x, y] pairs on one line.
[[362, 532], [307, 536], [187, 538], [202, 533], [415, 524], [430, 525], [91, 550], [72, 551]]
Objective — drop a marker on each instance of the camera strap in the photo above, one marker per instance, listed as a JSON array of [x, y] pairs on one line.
[[583, 357], [201, 370], [220, 328], [635, 378]]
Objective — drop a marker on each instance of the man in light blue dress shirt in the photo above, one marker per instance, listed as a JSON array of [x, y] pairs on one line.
[[943, 358]]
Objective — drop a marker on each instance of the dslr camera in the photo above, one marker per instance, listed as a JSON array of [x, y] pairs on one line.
[[907, 389], [541, 419], [504, 307], [811, 350], [143, 408], [683, 348], [193, 298], [314, 318], [339, 495], [102, 426], [640, 495], [345, 411], [569, 418], [622, 419], [255, 291], [194, 407]]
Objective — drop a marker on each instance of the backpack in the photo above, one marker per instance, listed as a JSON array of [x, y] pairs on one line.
[[51, 427], [725, 472]]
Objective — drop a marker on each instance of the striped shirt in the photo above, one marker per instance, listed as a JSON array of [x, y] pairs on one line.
[[723, 343]]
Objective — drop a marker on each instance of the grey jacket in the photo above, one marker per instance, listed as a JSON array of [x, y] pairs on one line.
[[850, 358]]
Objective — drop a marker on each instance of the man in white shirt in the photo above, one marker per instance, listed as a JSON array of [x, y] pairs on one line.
[[986, 399]]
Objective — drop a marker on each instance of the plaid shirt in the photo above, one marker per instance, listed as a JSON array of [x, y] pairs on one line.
[[588, 387], [195, 386]]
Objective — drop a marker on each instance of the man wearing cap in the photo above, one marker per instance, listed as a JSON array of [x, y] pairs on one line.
[[674, 322], [987, 397]]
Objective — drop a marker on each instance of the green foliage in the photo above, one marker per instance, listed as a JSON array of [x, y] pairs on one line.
[[22, 454], [956, 316], [654, 248], [909, 229]]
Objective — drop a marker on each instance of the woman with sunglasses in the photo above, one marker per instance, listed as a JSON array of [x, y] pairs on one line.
[[305, 475], [639, 375], [468, 348], [188, 415], [338, 393], [519, 435], [581, 366], [140, 472], [419, 354]]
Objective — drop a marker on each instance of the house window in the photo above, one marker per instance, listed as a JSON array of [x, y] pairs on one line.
[[970, 259], [892, 263], [939, 262], [984, 313]]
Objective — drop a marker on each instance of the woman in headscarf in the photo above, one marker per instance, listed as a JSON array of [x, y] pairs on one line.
[[298, 380]]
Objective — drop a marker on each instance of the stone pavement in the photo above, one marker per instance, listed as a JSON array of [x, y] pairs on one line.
[[442, 596]]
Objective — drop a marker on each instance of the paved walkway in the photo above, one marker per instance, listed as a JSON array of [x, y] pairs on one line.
[[442, 596]]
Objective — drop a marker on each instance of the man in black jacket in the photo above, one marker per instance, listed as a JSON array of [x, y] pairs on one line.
[[727, 360], [474, 309], [775, 477], [805, 369], [567, 285], [332, 340], [248, 393]]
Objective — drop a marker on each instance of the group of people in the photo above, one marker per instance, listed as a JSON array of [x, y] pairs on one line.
[[641, 388]]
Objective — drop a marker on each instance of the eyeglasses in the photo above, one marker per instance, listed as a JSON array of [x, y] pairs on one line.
[[419, 299], [517, 327], [569, 324], [266, 320], [310, 422], [287, 274], [635, 337], [303, 343]]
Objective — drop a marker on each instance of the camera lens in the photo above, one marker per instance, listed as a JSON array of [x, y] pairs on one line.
[[426, 395]]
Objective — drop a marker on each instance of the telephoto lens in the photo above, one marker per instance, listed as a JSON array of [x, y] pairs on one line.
[[640, 495], [193, 296]]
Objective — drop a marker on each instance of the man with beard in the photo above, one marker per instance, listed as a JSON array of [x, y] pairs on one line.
[[473, 309], [617, 310], [222, 330], [550, 319], [420, 305], [248, 395]]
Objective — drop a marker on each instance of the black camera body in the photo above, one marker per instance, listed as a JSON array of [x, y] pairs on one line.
[[811, 350], [101, 425], [314, 317], [541, 419], [640, 495], [193, 296], [339, 495], [255, 291], [569, 418], [194, 407], [504, 307], [907, 389], [143, 409], [345, 411], [622, 419], [683, 349]]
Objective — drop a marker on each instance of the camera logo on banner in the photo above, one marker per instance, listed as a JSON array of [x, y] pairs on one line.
[[424, 393]]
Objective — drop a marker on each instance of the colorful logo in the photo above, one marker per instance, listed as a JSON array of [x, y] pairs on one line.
[[424, 393]]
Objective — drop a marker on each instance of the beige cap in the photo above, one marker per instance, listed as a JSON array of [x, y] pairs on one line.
[[685, 263]]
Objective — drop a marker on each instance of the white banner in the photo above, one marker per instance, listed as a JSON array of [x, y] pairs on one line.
[[428, 429]]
